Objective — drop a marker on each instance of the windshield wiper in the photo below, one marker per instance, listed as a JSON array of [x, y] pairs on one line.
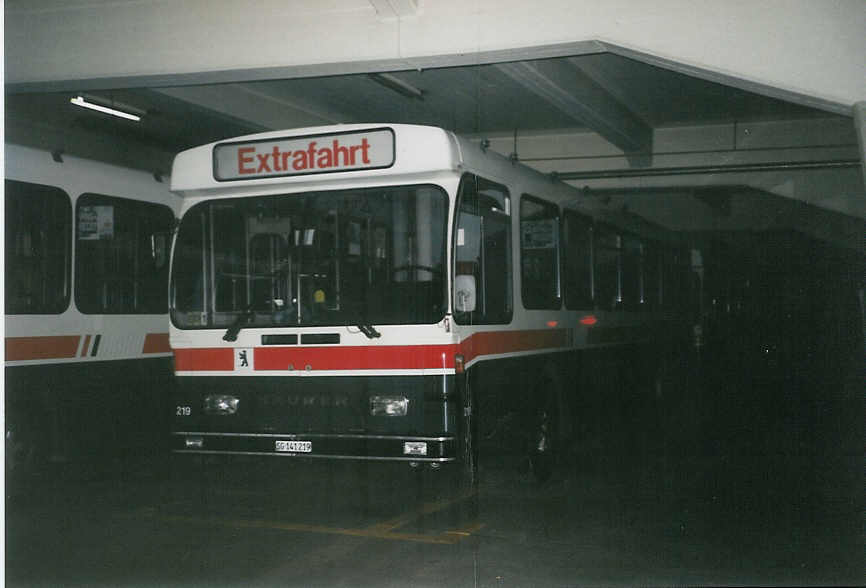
[[370, 331], [243, 318]]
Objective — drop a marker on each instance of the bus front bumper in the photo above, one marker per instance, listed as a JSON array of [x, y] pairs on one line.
[[319, 445]]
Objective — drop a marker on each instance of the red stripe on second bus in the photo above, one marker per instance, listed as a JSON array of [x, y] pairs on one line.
[[156, 343], [49, 347], [85, 346]]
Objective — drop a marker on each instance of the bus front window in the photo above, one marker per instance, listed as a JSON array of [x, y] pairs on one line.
[[371, 256]]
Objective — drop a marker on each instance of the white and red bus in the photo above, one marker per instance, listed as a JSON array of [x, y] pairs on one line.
[[86, 280], [376, 291]]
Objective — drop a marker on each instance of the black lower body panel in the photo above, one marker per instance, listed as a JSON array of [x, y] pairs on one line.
[[319, 417]]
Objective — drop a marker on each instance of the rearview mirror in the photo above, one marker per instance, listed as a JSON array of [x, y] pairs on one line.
[[464, 293]]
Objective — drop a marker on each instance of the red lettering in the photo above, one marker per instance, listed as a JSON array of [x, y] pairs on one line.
[[325, 158], [365, 147], [263, 163], [300, 161], [242, 159], [337, 151], [308, 158], [311, 153]]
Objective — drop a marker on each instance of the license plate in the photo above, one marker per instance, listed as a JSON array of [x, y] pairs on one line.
[[295, 446]]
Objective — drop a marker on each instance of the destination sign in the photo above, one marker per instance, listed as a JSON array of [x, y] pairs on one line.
[[314, 154]]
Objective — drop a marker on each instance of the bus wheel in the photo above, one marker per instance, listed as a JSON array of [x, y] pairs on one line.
[[542, 451]]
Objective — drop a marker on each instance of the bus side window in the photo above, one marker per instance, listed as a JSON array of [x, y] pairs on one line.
[[539, 254], [117, 262], [608, 266], [632, 272], [577, 252], [674, 282], [482, 247], [651, 290], [38, 221]]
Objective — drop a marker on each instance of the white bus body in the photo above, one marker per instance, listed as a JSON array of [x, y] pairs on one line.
[[86, 342], [359, 291]]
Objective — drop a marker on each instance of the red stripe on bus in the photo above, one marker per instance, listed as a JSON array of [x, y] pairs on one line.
[[390, 357], [49, 347], [498, 342], [187, 360], [374, 357], [156, 343], [85, 346]]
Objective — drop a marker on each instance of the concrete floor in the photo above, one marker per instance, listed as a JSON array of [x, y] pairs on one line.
[[758, 519], [766, 487]]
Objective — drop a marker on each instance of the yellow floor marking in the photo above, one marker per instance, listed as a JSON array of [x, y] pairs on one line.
[[446, 538], [466, 531], [382, 530], [425, 509]]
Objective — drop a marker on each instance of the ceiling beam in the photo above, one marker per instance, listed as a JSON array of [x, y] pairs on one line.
[[258, 105], [577, 95]]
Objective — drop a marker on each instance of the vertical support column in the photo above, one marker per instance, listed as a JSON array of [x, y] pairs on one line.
[[859, 109], [423, 233], [400, 239]]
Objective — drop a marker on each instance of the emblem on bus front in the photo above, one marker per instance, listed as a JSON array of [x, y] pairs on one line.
[[243, 360]]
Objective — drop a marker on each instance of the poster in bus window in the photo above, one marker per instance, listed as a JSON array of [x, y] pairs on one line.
[[95, 223]]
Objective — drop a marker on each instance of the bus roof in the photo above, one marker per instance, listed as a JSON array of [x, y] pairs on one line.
[[302, 157], [314, 154]]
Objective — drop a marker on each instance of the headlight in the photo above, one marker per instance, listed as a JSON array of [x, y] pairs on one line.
[[389, 405], [221, 404]]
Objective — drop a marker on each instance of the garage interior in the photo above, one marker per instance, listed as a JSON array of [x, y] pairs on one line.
[[739, 128]]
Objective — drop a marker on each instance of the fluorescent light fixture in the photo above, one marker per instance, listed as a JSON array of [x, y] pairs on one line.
[[398, 85], [85, 103]]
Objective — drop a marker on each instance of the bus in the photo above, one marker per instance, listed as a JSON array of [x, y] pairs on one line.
[[87, 361], [389, 292]]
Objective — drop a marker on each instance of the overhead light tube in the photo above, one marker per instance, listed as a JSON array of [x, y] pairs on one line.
[[84, 103]]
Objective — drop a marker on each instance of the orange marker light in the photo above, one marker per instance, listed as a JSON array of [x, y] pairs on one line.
[[458, 363], [588, 320], [552, 323]]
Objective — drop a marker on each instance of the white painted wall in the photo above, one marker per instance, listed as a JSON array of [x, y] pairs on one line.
[[812, 50]]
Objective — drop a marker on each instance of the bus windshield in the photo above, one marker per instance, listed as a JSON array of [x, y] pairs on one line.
[[350, 257]]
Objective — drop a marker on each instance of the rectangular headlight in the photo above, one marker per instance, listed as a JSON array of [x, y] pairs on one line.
[[221, 404], [389, 405]]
